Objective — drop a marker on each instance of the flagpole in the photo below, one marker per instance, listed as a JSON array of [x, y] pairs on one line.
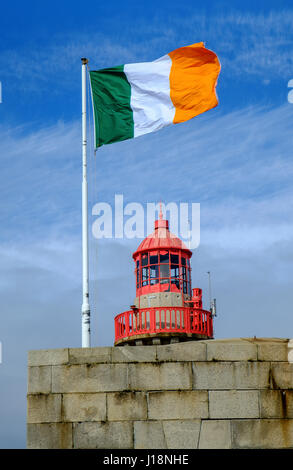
[[85, 309]]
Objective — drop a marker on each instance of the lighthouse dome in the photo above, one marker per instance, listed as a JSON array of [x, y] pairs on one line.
[[162, 238]]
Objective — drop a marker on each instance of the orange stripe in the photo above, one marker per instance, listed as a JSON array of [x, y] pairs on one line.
[[193, 79]]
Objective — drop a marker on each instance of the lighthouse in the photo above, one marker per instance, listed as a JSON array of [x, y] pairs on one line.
[[166, 308]]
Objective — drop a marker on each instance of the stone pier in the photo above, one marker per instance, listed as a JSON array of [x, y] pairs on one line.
[[228, 394]]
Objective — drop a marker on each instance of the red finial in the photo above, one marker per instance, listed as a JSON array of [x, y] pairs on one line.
[[161, 223]]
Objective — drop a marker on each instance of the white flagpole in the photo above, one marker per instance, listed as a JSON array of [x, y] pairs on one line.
[[85, 309]]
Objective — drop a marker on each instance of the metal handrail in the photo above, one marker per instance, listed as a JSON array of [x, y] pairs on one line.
[[163, 320]]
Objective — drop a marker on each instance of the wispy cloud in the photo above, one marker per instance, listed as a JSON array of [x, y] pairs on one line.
[[249, 45], [37, 170], [238, 165]]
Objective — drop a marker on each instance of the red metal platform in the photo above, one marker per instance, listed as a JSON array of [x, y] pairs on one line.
[[174, 321]]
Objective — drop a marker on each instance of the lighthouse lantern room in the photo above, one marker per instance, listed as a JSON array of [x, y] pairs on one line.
[[166, 308]]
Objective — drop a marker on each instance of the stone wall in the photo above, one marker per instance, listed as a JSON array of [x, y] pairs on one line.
[[235, 393]]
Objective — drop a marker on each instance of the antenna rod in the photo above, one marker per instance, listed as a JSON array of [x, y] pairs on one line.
[[210, 289], [213, 308], [85, 309]]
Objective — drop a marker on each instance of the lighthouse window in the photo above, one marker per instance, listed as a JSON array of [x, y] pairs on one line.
[[176, 282], [154, 259], [137, 275], [154, 271], [145, 276], [164, 272], [174, 270], [189, 288], [164, 267], [164, 257], [174, 259]]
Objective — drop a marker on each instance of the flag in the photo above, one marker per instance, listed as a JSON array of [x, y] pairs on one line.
[[134, 99]]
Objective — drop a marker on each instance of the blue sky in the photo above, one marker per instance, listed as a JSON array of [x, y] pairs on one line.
[[235, 160]]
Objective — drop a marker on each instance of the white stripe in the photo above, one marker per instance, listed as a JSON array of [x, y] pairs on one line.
[[150, 95]]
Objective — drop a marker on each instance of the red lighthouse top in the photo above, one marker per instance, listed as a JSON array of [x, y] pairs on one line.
[[161, 238], [162, 263], [165, 309]]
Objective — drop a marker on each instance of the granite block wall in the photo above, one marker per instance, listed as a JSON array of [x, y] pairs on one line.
[[229, 394]]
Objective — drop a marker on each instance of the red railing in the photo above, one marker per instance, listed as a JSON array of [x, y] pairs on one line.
[[163, 320]]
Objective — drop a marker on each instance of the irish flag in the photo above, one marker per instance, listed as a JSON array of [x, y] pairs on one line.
[[134, 99]]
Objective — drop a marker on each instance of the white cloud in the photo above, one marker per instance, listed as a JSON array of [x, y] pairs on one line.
[[248, 45], [237, 165]]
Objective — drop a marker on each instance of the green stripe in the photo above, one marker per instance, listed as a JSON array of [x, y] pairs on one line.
[[111, 101]]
